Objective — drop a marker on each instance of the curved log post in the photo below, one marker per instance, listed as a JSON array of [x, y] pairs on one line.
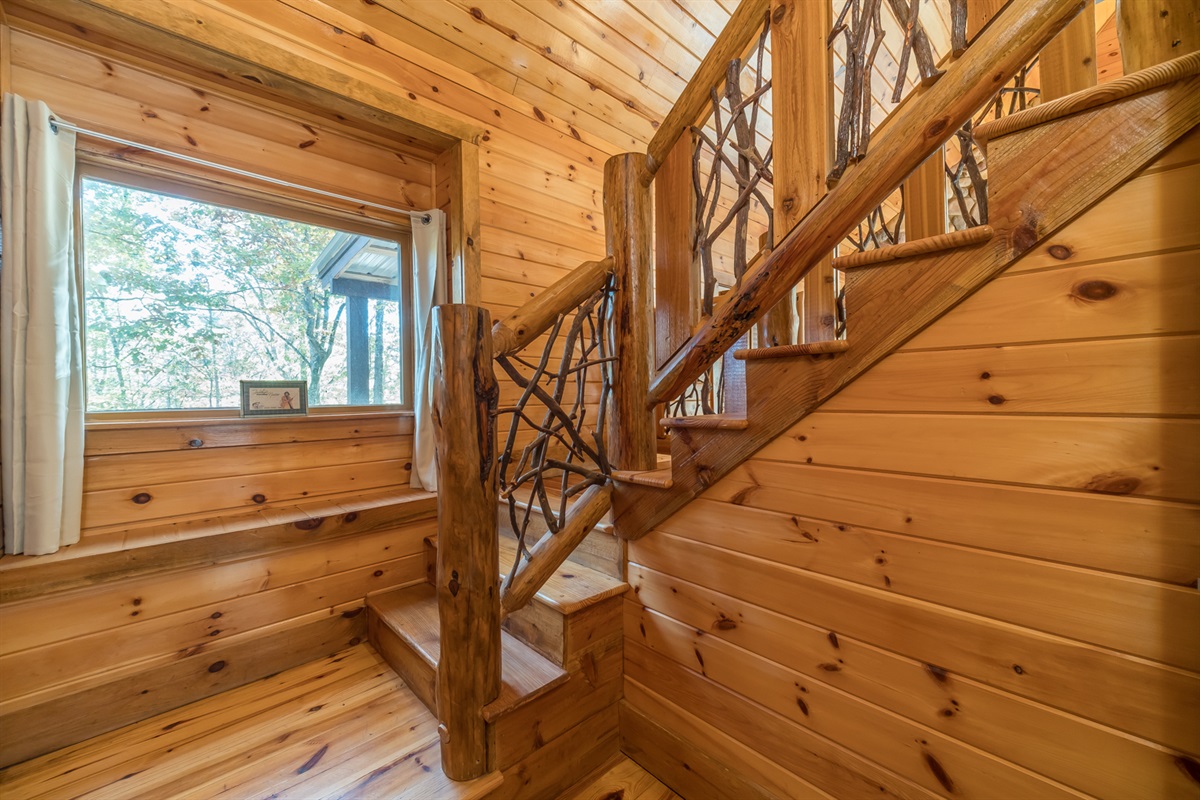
[[468, 582]]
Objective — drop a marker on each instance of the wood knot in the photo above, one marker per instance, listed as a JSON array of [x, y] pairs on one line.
[[453, 585], [141, 498], [1094, 290], [1111, 483], [216, 666], [1189, 766], [997, 399], [353, 515], [938, 771], [1025, 235], [1060, 251], [724, 623], [259, 498], [309, 524], [196, 443], [935, 128], [779, 13]]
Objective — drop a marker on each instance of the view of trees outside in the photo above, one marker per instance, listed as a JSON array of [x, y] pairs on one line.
[[184, 299]]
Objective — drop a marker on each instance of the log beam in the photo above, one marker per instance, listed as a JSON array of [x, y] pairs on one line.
[[465, 399]]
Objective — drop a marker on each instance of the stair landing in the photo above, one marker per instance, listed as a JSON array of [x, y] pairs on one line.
[[343, 726]]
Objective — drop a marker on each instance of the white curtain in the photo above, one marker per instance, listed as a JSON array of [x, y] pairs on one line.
[[41, 351], [429, 289]]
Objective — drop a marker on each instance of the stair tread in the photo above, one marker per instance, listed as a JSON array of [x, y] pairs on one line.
[[661, 478], [412, 613], [571, 587], [882, 256], [723, 422], [793, 350]]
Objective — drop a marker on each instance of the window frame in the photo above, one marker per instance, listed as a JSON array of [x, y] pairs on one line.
[[207, 186]]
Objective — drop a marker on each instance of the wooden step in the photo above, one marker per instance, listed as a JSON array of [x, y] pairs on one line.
[[793, 350], [571, 588], [721, 422], [884, 256], [654, 478], [403, 627], [569, 614]]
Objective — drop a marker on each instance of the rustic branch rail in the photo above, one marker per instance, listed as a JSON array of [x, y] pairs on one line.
[[1023, 28]]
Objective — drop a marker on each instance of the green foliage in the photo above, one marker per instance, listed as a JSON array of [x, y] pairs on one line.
[[184, 299]]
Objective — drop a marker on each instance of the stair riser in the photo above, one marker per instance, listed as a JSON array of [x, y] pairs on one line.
[[419, 674], [522, 732], [601, 550]]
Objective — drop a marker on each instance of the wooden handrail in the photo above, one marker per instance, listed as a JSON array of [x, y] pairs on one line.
[[552, 549], [1138, 82], [535, 317], [1024, 28], [734, 40]]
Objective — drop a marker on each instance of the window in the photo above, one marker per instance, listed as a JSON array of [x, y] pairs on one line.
[[183, 299]]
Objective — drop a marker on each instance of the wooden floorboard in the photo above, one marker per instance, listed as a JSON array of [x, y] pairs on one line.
[[344, 726], [624, 780]]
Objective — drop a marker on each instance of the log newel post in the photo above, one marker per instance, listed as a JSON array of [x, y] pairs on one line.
[[465, 399], [802, 92], [630, 423]]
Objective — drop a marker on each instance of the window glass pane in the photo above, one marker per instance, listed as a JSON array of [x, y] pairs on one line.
[[184, 299]]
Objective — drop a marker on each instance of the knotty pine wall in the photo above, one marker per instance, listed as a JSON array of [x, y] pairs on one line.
[[90, 644], [973, 573], [144, 475]]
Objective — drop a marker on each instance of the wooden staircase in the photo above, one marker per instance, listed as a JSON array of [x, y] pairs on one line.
[[1037, 187], [561, 667]]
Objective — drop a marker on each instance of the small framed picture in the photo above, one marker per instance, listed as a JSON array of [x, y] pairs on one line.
[[274, 398]]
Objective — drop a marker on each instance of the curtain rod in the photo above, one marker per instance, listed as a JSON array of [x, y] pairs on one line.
[[56, 123]]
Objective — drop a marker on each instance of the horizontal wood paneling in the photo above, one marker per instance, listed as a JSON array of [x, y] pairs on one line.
[[1069, 749], [1125, 376], [1029, 592], [81, 661], [979, 559], [1126, 456]]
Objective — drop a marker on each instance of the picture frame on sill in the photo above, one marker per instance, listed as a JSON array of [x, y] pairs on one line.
[[274, 398]]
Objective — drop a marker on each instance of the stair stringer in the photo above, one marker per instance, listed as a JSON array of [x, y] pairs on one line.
[[1039, 184]]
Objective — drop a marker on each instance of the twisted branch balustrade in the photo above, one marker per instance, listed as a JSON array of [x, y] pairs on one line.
[[967, 179], [735, 118], [565, 455]]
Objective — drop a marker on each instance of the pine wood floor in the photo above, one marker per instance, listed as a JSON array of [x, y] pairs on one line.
[[342, 727]]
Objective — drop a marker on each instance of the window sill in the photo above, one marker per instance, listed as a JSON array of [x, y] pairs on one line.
[[170, 419]]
